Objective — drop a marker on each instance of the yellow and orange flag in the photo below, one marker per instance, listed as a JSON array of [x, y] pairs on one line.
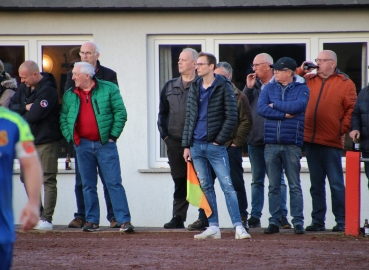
[[195, 196]]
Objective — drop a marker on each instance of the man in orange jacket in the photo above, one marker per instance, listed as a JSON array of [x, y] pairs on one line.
[[327, 120]]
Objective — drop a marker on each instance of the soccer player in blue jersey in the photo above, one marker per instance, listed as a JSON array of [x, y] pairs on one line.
[[16, 141]]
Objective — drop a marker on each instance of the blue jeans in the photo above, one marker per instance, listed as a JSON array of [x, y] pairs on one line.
[[277, 157], [258, 171], [205, 156], [92, 154], [235, 164], [325, 161], [78, 190]]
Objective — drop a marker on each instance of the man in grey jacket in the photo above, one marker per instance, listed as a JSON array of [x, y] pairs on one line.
[[172, 113]]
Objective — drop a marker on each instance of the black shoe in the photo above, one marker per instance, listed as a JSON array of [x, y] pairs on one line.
[[198, 225], [245, 223], [284, 224], [90, 227], [315, 227], [338, 228], [271, 229], [254, 222], [175, 223], [298, 229]]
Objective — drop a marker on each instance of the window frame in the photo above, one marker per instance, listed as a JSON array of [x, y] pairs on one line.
[[210, 43], [33, 51]]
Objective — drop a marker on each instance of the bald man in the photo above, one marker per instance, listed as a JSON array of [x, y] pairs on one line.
[[90, 53], [36, 100], [327, 120]]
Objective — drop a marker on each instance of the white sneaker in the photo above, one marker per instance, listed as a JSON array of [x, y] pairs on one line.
[[44, 226], [241, 233], [211, 233]]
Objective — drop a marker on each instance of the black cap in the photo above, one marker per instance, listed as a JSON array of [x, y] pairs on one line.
[[285, 62]]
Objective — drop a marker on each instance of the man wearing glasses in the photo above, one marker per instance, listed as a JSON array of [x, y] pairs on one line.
[[211, 116], [255, 83], [89, 53], [283, 103], [327, 120]]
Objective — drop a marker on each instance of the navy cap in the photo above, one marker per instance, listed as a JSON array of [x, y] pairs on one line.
[[285, 62]]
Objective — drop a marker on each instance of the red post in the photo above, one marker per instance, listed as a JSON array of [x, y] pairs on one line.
[[352, 193]]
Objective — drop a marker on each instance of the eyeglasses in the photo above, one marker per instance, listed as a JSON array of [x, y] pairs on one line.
[[86, 53], [322, 60], [257, 65], [277, 71], [200, 64]]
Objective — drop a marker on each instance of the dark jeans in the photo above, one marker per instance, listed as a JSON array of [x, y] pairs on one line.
[[325, 161], [6, 254], [178, 170], [80, 199], [235, 164]]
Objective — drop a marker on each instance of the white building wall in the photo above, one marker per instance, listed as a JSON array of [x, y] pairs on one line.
[[123, 39]]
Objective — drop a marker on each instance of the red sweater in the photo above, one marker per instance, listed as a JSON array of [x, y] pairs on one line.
[[86, 125]]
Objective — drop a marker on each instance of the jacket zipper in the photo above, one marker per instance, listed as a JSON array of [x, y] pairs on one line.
[[316, 110], [98, 111]]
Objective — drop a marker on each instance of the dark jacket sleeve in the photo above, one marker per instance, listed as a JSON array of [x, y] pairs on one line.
[[230, 112], [16, 104], [244, 121], [356, 113], [263, 106], [163, 113], [69, 83], [186, 143], [37, 112], [294, 107]]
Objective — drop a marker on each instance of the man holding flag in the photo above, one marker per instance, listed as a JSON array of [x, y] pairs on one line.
[[211, 116]]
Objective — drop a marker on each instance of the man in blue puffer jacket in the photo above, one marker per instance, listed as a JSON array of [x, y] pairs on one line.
[[283, 104]]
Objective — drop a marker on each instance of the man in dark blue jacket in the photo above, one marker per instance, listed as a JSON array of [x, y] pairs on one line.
[[211, 115], [283, 105]]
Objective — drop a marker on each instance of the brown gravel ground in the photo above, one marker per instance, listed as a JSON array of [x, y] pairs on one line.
[[156, 248]]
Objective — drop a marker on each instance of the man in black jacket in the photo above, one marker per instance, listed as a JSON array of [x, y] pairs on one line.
[[172, 113], [90, 53], [36, 100], [211, 116]]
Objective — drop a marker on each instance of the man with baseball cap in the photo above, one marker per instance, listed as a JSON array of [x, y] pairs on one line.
[[283, 103]]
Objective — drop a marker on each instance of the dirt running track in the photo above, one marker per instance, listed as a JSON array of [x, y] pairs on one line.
[[150, 248]]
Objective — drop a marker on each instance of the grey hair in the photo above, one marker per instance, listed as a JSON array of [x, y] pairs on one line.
[[194, 53], [267, 58], [227, 68], [86, 68]]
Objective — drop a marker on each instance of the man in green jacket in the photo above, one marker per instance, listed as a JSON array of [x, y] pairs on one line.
[[93, 116]]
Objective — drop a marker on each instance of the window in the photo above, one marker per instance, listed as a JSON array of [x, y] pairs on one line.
[[239, 50], [54, 54], [12, 56]]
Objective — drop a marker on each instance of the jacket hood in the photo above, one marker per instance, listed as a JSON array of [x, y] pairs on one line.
[[9, 84], [296, 78], [48, 79]]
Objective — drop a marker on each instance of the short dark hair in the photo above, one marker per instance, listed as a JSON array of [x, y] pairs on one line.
[[212, 60], [227, 67]]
